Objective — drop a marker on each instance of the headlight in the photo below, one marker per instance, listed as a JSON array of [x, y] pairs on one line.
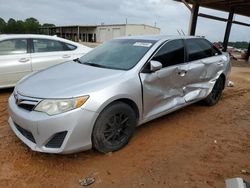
[[53, 107]]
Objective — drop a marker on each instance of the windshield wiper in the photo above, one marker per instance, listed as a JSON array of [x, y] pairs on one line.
[[94, 65], [77, 60], [89, 63]]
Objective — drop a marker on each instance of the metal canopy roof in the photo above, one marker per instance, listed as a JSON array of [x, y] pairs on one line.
[[241, 7]]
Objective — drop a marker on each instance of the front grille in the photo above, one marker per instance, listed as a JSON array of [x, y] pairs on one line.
[[26, 103], [25, 133], [57, 140], [28, 107]]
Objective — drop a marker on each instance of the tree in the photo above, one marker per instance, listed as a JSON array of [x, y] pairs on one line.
[[10, 26], [45, 28], [20, 27], [48, 25], [239, 44], [2, 25], [32, 25]]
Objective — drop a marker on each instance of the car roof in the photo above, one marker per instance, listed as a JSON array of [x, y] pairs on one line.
[[26, 36], [12, 36], [158, 37]]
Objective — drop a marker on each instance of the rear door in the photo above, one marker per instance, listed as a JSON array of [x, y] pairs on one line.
[[163, 89], [204, 65], [47, 52], [15, 61]]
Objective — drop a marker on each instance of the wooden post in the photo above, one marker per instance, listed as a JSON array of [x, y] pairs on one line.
[[193, 19], [78, 32], [228, 30], [248, 51]]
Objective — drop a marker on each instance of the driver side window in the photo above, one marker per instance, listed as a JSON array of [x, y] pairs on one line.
[[171, 53]]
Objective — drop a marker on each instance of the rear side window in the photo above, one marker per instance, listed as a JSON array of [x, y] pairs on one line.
[[172, 53], [13, 46], [199, 49], [69, 46], [46, 45]]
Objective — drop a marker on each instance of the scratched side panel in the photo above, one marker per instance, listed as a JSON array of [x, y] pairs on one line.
[[162, 91], [202, 75]]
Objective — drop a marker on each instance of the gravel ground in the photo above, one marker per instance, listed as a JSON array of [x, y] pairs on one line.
[[195, 147]]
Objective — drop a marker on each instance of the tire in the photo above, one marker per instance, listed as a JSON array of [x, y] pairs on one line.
[[114, 127], [216, 93]]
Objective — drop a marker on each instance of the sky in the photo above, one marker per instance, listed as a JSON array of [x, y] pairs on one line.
[[168, 15]]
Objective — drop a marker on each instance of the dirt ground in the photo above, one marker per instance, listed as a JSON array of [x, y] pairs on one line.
[[195, 147]]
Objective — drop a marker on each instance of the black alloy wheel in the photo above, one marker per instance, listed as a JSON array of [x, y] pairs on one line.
[[114, 127]]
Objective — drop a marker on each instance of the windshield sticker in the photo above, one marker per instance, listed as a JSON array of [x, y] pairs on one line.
[[142, 44]]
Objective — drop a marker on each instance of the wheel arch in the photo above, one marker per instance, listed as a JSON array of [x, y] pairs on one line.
[[224, 79], [127, 101]]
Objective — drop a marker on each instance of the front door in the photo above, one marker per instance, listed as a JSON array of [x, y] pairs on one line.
[[15, 61], [163, 89]]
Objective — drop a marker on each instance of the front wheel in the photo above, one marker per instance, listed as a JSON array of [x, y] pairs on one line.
[[114, 127], [216, 93]]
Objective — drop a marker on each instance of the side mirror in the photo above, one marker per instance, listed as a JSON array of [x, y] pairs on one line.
[[155, 66]]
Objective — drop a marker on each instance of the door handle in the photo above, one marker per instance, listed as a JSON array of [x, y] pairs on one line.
[[66, 56], [24, 60], [182, 73]]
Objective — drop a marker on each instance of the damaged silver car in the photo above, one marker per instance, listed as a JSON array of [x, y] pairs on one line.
[[98, 100]]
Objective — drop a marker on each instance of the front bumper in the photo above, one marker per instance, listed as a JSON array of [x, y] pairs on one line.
[[37, 129]]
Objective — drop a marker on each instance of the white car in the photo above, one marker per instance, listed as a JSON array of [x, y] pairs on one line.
[[25, 53]]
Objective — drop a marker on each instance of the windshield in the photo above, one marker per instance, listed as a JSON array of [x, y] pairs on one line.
[[120, 54]]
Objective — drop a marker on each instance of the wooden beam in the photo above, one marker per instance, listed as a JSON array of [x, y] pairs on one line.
[[222, 19], [212, 1], [193, 19], [228, 30], [212, 17], [224, 5], [241, 23], [187, 5]]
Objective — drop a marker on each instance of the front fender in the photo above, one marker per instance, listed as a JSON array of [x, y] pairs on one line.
[[128, 89]]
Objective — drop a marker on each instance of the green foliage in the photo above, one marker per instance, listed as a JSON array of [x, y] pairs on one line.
[[2, 25], [48, 25], [29, 26], [240, 45], [32, 25]]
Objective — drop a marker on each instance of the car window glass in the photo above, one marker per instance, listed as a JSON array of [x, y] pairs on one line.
[[172, 53], [120, 54], [69, 46], [199, 49], [13, 46], [45, 45]]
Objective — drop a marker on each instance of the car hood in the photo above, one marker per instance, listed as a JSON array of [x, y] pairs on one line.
[[67, 80]]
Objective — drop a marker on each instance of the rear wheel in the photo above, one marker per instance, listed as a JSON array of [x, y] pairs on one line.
[[114, 127], [216, 93]]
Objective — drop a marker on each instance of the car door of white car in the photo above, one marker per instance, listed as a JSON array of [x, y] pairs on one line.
[[15, 61], [47, 52], [163, 89]]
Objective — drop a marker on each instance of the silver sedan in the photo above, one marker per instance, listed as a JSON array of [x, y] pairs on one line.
[[98, 100]]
